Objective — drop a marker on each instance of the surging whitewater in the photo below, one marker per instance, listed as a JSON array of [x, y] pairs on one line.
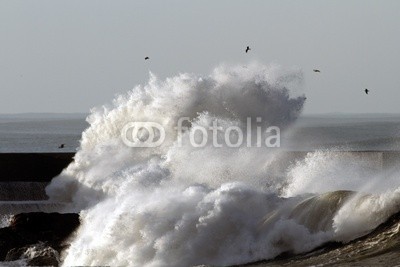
[[180, 205]]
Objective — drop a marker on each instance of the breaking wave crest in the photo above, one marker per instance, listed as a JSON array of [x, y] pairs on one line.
[[180, 205]]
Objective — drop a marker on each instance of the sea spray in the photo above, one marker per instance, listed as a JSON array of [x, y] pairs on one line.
[[180, 205], [375, 192]]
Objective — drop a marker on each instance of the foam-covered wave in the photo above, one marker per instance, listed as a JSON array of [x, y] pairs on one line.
[[378, 248], [176, 205]]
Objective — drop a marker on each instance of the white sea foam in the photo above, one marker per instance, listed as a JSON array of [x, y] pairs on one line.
[[182, 206]]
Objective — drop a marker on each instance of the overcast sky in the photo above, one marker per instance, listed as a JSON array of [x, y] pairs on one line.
[[68, 56]]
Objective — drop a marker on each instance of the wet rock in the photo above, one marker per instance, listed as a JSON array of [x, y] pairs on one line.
[[35, 255], [40, 235]]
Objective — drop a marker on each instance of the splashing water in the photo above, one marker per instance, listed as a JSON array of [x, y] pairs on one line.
[[178, 205]]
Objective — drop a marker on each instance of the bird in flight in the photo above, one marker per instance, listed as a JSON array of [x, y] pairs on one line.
[[248, 49], [61, 146], [366, 91], [146, 58], [316, 70]]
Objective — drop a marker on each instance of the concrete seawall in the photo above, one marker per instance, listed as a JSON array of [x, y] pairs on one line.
[[24, 176], [32, 167], [42, 167]]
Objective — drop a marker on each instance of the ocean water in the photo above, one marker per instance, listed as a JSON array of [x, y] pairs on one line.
[[29, 133], [348, 132], [181, 205], [25, 133]]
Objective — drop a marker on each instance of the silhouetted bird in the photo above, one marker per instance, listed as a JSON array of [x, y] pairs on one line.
[[146, 58], [366, 91], [316, 71], [61, 146], [248, 49]]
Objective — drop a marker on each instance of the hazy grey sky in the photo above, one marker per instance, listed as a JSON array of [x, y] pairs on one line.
[[68, 56]]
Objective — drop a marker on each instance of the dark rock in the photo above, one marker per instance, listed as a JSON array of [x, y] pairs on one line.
[[62, 224], [35, 255], [40, 230]]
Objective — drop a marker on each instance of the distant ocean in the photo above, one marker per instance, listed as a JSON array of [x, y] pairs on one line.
[[25, 133], [29, 133], [347, 132]]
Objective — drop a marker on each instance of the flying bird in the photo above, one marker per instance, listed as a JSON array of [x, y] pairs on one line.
[[248, 49], [366, 91], [61, 146], [316, 70], [146, 58]]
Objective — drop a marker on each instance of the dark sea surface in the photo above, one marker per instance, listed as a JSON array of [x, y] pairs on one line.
[[45, 132], [41, 132]]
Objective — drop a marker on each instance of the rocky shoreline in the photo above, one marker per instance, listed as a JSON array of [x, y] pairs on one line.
[[38, 238]]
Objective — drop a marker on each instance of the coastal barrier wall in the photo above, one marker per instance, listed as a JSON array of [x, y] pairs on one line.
[[24, 176], [32, 167], [42, 167]]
